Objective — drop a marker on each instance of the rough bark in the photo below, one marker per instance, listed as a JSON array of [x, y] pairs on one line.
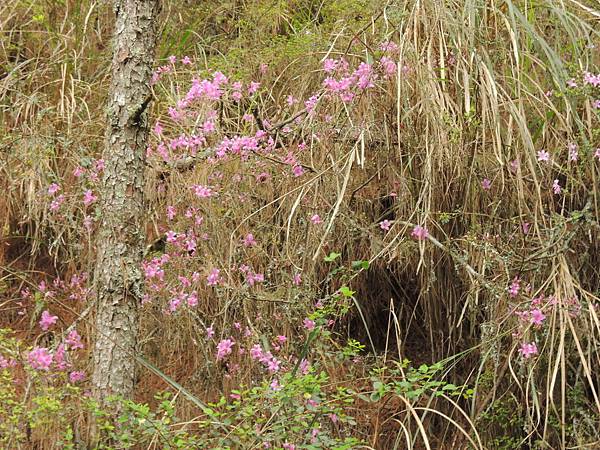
[[120, 239]]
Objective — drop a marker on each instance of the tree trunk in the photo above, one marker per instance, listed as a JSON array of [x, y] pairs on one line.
[[120, 239]]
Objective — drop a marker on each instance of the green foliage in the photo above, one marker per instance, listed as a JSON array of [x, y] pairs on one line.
[[413, 383]]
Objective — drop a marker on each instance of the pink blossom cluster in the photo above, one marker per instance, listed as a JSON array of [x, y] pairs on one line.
[[43, 359], [47, 320], [40, 358], [213, 277], [251, 277], [348, 84], [203, 191], [528, 349], [224, 348], [271, 363], [6, 363], [420, 233], [533, 316], [153, 269], [591, 79], [514, 288]]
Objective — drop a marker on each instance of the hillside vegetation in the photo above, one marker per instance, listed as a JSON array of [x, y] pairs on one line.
[[369, 224]]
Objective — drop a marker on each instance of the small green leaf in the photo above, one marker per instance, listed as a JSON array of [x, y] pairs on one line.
[[375, 396], [360, 264], [346, 291], [332, 256]]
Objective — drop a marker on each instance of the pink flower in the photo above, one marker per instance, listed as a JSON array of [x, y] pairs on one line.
[[224, 348], [556, 187], [528, 349], [158, 129], [515, 286], [597, 154], [281, 338], [316, 220], [543, 155], [76, 376], [308, 324], [273, 365], [589, 78], [171, 212], [385, 225], [47, 320], [252, 278], [304, 366], [88, 222], [73, 340], [208, 127], [297, 170], [186, 60], [210, 332], [388, 46], [486, 184], [213, 278], [249, 240], [53, 189], [536, 316], [275, 385], [525, 226], [389, 66], [329, 65], [59, 357], [219, 78], [40, 358], [364, 76], [573, 153], [288, 446], [256, 352], [254, 86], [203, 191], [311, 103], [262, 177], [57, 202], [192, 300], [89, 197], [420, 233], [6, 363], [297, 279]]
